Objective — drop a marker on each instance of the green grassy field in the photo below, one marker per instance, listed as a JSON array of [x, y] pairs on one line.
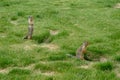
[[60, 27]]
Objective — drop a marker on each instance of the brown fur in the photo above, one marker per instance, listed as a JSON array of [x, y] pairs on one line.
[[30, 28], [81, 51]]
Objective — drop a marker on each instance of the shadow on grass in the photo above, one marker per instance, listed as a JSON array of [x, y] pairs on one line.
[[117, 58], [43, 38]]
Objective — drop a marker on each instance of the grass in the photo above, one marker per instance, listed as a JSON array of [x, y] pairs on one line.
[[14, 18], [106, 66], [43, 37], [19, 72], [55, 67], [76, 21], [117, 58]]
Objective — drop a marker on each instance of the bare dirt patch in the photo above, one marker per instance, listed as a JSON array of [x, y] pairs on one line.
[[14, 22], [38, 72], [54, 32], [103, 59], [25, 46], [87, 66], [117, 71], [3, 35], [117, 5], [48, 73], [4, 71], [84, 66], [30, 67], [43, 62], [50, 46], [7, 70], [22, 46], [118, 74]]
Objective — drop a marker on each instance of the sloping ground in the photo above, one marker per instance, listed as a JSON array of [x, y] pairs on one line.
[[61, 26]]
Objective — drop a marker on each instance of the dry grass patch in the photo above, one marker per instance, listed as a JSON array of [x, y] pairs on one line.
[[48, 73], [25, 46], [14, 22], [87, 66], [103, 59], [4, 71], [117, 5], [117, 70], [3, 35], [54, 32], [50, 46]]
